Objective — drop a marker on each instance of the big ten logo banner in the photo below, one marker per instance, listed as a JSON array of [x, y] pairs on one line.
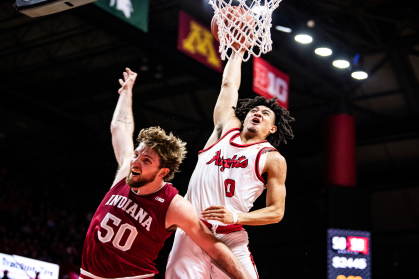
[[197, 41], [135, 12], [270, 82]]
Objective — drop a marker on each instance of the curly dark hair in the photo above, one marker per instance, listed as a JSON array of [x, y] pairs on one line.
[[282, 117], [170, 149]]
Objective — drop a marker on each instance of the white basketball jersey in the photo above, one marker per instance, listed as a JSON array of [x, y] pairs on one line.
[[229, 173]]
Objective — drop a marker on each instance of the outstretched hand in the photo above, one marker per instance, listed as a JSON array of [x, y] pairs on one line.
[[218, 213], [128, 82]]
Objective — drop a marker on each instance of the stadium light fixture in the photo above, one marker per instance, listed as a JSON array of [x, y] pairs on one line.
[[311, 23], [283, 29], [323, 51], [342, 64], [304, 39], [359, 75]]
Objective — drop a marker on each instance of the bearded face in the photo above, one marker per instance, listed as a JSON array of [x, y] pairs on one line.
[[140, 179], [144, 167]]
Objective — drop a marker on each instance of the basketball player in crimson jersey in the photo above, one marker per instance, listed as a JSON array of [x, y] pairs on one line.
[[141, 210], [238, 162]]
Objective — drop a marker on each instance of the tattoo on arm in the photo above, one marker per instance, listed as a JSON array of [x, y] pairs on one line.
[[124, 117], [221, 262]]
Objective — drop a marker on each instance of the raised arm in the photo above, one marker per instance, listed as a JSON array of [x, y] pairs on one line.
[[182, 214], [224, 117], [276, 169], [229, 93], [122, 125]]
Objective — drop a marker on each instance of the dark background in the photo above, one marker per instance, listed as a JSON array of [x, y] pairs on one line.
[[58, 84]]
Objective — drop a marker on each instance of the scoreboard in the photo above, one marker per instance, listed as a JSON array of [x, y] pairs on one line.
[[348, 254]]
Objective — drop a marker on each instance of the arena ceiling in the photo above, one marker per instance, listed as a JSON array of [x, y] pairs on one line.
[[69, 62], [59, 87]]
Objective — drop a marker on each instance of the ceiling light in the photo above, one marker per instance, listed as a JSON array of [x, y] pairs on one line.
[[359, 75], [283, 29], [311, 23], [323, 51], [304, 39], [341, 64]]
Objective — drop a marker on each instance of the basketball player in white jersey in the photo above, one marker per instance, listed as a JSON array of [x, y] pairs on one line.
[[238, 162]]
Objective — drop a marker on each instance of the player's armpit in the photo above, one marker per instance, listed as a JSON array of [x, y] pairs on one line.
[[220, 130], [122, 172], [182, 214]]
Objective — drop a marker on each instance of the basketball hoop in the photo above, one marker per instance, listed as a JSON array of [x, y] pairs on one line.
[[243, 27]]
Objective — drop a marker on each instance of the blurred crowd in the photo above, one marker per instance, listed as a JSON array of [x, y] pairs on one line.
[[42, 219], [47, 220]]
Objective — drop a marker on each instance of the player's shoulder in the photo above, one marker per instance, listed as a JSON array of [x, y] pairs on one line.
[[274, 158], [170, 190], [180, 209], [179, 202]]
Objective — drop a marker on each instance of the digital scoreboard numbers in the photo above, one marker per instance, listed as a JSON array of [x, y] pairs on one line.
[[348, 254]]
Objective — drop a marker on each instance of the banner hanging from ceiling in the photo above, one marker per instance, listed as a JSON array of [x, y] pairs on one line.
[[270, 82], [135, 12], [197, 41]]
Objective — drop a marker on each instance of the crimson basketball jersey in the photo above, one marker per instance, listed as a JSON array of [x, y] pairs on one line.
[[126, 233], [229, 173]]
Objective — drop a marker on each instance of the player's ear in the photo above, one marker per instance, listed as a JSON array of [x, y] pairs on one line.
[[163, 172], [273, 129]]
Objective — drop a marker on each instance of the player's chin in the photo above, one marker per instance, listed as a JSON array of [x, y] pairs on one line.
[[131, 179], [253, 129]]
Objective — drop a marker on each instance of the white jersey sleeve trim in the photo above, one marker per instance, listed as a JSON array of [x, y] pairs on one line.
[[258, 168]]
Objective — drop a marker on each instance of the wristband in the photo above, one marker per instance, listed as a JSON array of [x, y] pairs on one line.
[[235, 217]]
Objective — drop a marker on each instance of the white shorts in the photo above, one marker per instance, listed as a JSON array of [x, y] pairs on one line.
[[188, 261]]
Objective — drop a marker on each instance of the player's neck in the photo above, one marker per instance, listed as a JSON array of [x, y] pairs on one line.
[[150, 188], [247, 137]]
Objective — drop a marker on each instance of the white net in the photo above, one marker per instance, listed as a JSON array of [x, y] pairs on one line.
[[244, 25]]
